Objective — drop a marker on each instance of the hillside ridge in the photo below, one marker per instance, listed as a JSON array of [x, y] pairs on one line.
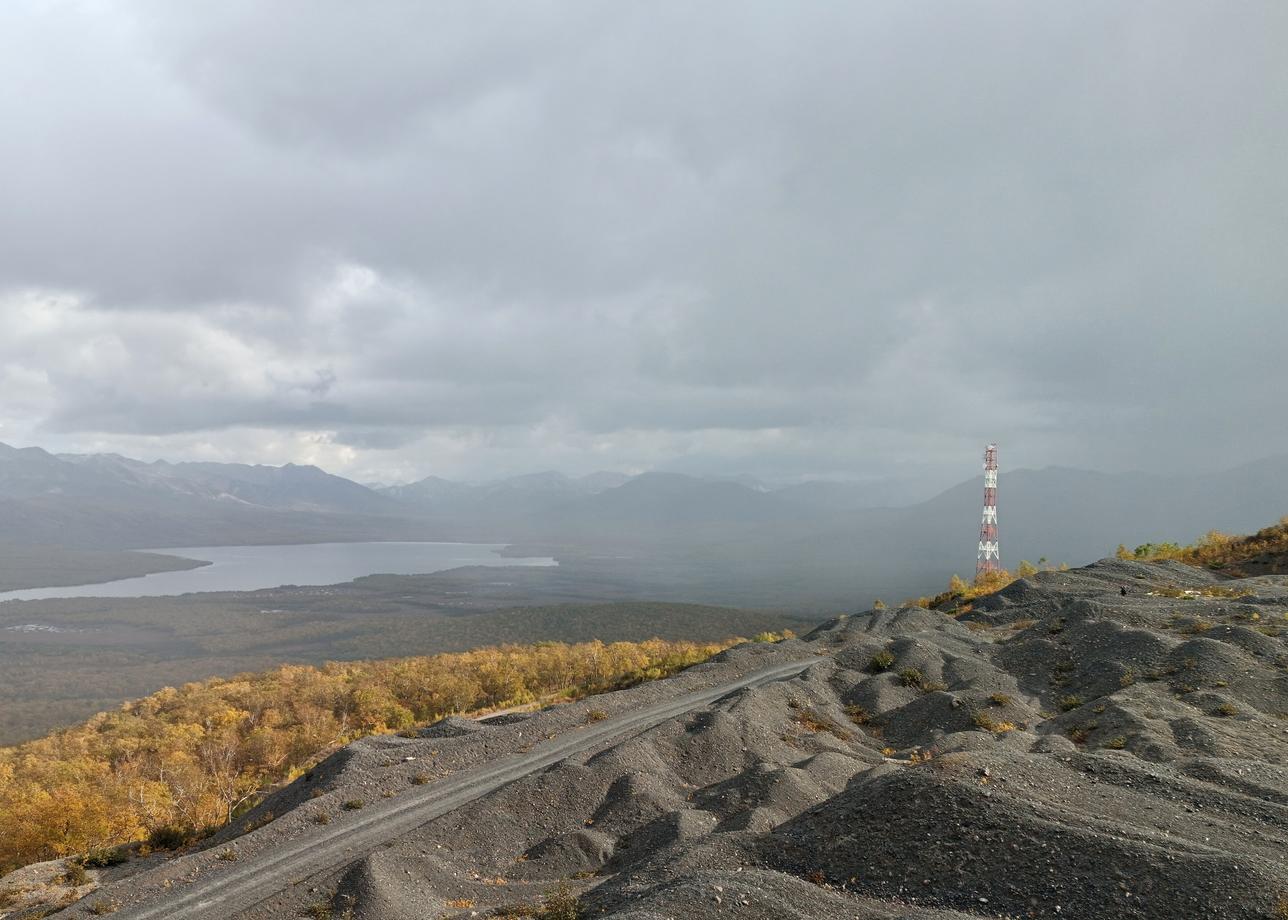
[[1063, 748]]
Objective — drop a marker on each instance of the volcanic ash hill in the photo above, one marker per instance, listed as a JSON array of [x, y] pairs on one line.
[[1060, 751]]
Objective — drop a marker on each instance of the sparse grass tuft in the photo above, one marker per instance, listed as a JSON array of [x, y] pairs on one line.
[[816, 722], [227, 855], [1116, 744], [75, 875], [911, 677], [104, 906], [459, 903], [102, 857], [596, 715], [1070, 702], [1226, 710], [420, 779], [1080, 733], [321, 817], [984, 719], [881, 661], [858, 715], [561, 904], [1000, 699], [352, 804]]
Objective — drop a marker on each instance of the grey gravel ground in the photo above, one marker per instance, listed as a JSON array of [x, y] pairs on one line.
[[1059, 751]]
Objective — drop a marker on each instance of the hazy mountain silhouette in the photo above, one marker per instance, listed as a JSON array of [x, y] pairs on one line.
[[695, 537]]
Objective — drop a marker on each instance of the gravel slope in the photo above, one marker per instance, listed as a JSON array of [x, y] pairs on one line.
[[1060, 751]]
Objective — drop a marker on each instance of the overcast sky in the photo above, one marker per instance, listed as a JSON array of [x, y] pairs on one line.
[[793, 239]]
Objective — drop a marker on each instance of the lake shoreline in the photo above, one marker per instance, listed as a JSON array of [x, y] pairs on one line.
[[252, 567]]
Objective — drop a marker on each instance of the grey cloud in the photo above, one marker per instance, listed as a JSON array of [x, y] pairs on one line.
[[793, 238]]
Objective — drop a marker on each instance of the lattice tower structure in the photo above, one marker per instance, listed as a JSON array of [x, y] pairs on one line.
[[989, 559]]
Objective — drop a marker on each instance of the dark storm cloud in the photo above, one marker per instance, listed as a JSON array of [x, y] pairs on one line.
[[788, 238]]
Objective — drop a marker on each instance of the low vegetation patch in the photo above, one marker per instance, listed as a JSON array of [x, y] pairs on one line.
[[75, 875], [1218, 551], [174, 766], [881, 661], [911, 677], [813, 721], [985, 720], [961, 592]]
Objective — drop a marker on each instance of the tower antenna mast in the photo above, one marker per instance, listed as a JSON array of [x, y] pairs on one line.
[[989, 559]]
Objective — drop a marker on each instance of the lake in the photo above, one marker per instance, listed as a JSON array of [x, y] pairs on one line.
[[250, 568]]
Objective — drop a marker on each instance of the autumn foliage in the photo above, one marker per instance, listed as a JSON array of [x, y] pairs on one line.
[[1216, 550], [181, 762]]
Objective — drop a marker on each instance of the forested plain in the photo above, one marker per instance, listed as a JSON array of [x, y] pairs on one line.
[[174, 766], [63, 660]]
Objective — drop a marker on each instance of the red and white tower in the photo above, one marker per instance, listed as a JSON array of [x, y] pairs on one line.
[[990, 559]]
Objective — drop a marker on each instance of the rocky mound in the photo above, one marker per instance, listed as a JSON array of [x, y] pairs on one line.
[[1061, 751]]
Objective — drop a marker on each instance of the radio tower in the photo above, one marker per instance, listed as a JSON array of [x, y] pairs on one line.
[[989, 559]]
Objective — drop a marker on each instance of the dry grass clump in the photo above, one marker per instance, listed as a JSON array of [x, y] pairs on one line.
[[984, 719], [813, 721], [858, 715], [596, 715], [74, 875], [881, 661], [1079, 734]]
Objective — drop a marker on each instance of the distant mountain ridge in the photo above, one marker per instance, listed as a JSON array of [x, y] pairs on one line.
[[708, 540], [30, 472]]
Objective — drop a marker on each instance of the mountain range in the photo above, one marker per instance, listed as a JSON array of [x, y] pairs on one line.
[[702, 539]]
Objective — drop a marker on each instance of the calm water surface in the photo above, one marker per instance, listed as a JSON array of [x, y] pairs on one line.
[[249, 568]]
